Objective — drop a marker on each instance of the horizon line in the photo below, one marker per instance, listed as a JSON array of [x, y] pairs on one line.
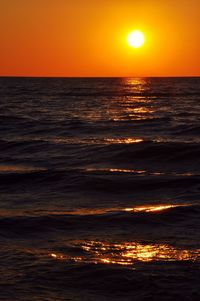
[[155, 76]]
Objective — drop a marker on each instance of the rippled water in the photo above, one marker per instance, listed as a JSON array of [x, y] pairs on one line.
[[100, 190]]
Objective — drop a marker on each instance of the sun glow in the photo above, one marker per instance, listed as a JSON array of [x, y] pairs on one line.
[[135, 39]]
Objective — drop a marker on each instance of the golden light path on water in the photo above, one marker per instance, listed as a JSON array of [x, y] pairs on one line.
[[150, 208], [128, 253], [130, 210], [124, 140], [92, 140]]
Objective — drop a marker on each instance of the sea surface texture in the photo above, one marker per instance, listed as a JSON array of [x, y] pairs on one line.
[[99, 189]]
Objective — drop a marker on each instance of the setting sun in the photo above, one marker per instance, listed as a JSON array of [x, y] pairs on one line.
[[135, 39]]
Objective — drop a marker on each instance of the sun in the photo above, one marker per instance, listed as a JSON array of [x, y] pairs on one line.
[[135, 39]]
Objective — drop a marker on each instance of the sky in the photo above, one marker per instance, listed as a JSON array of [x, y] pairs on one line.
[[88, 38]]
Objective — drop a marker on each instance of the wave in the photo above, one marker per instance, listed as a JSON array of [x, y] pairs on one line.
[[41, 179], [107, 150], [135, 220]]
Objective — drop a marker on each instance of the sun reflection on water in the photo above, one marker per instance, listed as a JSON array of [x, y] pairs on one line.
[[127, 210], [141, 110], [116, 170], [128, 253], [134, 104], [151, 208], [138, 84], [123, 140]]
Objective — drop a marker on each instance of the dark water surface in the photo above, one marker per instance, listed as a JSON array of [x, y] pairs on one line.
[[100, 189]]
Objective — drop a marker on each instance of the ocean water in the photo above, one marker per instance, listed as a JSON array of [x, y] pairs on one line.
[[99, 189]]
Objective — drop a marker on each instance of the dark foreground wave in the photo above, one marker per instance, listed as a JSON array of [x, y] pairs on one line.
[[150, 217], [133, 152]]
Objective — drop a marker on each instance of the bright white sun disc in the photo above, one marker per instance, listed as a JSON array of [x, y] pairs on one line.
[[135, 39]]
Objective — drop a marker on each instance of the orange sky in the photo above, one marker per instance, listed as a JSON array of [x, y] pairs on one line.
[[88, 37]]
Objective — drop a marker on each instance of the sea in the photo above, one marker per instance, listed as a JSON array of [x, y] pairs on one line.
[[99, 189]]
